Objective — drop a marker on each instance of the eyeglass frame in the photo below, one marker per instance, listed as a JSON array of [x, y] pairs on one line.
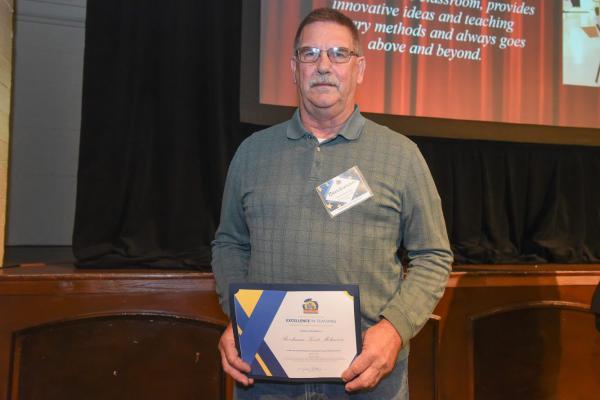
[[320, 52]]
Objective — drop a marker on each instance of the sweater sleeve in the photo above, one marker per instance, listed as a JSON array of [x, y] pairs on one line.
[[430, 258], [231, 247]]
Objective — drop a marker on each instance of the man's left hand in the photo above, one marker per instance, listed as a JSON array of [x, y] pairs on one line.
[[381, 345]]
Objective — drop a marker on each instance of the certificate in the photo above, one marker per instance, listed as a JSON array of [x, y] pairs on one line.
[[296, 332]]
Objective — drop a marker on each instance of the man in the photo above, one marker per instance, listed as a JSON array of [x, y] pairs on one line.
[[276, 229]]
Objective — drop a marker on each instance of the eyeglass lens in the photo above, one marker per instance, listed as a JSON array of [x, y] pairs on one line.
[[335, 54]]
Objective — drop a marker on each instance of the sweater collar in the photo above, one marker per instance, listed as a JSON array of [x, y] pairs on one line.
[[351, 130]]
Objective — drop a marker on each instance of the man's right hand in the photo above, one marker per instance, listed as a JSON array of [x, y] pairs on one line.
[[230, 359]]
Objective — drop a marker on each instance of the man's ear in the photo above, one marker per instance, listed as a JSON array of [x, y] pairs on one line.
[[293, 66], [362, 64]]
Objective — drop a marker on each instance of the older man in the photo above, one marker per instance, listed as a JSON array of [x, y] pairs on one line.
[[275, 228]]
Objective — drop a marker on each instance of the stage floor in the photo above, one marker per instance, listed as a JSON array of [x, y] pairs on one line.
[[15, 255]]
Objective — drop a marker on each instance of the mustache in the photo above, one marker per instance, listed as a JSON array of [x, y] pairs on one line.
[[323, 80]]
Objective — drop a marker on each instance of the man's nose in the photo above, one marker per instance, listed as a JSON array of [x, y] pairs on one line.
[[323, 63]]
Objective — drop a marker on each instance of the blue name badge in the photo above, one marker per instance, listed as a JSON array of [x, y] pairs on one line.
[[300, 332], [344, 191]]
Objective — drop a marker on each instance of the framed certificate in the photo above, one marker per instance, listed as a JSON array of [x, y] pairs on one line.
[[296, 332]]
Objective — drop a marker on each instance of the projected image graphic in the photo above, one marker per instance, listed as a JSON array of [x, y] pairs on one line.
[[479, 60], [581, 42]]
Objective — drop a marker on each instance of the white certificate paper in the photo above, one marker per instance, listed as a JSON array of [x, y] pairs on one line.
[[296, 332]]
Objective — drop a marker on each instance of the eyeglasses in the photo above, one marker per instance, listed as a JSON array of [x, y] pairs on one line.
[[337, 55]]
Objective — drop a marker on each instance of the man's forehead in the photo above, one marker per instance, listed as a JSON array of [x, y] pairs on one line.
[[325, 30]]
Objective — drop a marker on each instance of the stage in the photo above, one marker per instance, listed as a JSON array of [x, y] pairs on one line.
[[500, 332]]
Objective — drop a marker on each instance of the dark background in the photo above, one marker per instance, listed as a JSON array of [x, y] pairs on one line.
[[160, 122]]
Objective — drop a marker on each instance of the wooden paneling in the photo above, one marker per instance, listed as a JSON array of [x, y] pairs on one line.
[[6, 50], [6, 28], [424, 350], [48, 311], [507, 333], [539, 349], [126, 357], [473, 295], [5, 70]]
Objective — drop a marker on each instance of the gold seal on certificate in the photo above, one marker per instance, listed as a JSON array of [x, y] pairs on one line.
[[296, 332]]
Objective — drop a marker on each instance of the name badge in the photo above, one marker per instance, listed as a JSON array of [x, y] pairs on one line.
[[344, 191]]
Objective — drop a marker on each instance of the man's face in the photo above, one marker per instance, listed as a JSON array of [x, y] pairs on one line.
[[326, 88]]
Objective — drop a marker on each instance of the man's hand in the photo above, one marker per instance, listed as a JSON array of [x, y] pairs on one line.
[[381, 345], [230, 359]]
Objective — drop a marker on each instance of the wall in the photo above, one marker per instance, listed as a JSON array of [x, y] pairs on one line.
[[6, 50], [49, 43]]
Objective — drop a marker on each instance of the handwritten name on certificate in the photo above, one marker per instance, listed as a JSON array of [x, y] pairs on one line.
[[296, 332]]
